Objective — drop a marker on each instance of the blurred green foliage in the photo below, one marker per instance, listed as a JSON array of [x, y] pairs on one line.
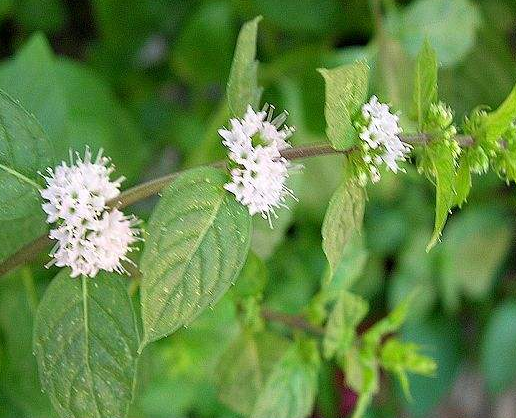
[[145, 80]]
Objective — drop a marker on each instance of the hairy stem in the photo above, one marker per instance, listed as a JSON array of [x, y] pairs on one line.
[[153, 187], [26, 254], [145, 190]]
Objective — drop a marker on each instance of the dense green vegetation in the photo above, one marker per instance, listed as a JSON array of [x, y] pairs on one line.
[[352, 324]]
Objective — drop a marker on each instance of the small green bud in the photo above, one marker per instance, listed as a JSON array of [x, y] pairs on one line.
[[478, 160], [503, 155], [439, 121], [474, 123]]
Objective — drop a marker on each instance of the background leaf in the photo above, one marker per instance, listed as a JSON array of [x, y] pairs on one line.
[[353, 262], [389, 324], [439, 339], [343, 219], [30, 77], [24, 150], [449, 26], [499, 340], [245, 366], [202, 63], [363, 376], [292, 16], [402, 358], [348, 312], [198, 240], [346, 90], [185, 364], [85, 340], [18, 367], [252, 278], [46, 15], [291, 388], [415, 268], [481, 238], [74, 105], [96, 118], [243, 87]]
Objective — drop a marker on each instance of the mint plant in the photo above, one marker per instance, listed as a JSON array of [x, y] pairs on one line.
[[108, 306]]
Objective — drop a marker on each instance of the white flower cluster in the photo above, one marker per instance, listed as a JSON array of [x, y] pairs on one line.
[[381, 140], [90, 237], [259, 171]]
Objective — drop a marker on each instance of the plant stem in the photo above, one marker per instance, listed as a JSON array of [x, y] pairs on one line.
[[143, 191], [25, 254], [148, 189], [292, 321]]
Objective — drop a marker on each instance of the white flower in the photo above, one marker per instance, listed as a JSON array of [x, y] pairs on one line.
[[89, 236], [254, 143], [80, 190], [381, 138]]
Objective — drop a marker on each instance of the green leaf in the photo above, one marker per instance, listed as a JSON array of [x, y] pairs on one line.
[[292, 16], [425, 91], [31, 78], [24, 150], [245, 366], [265, 240], [343, 219], [291, 387], [496, 123], [352, 264], [98, 119], [18, 367], [490, 59], [296, 266], [198, 240], [75, 107], [86, 341], [394, 70], [462, 180], [185, 366], [360, 368], [45, 15], [450, 26], [402, 358], [252, 279], [498, 360], [348, 312], [415, 268], [346, 90], [6, 8], [439, 338], [352, 368], [242, 89], [481, 239], [201, 62], [391, 323], [442, 165], [371, 378]]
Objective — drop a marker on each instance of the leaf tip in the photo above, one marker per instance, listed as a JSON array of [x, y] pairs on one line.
[[432, 242], [254, 21], [322, 71]]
